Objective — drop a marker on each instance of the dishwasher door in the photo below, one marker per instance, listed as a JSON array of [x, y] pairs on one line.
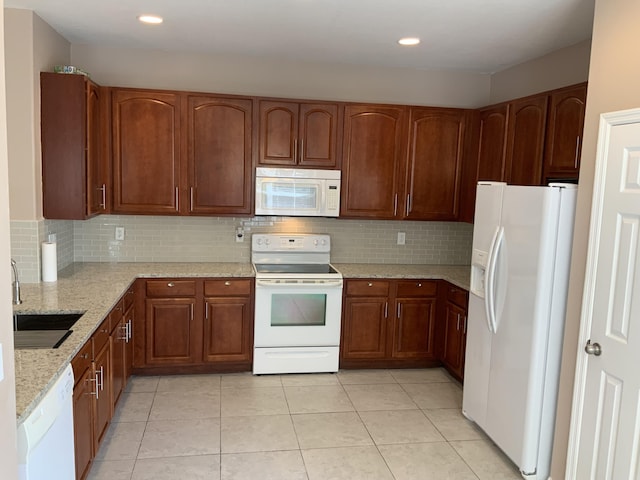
[[45, 437]]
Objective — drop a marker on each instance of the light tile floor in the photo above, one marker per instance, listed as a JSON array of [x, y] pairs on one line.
[[359, 424]]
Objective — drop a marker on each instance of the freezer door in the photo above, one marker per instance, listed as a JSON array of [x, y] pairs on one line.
[[524, 286], [478, 350]]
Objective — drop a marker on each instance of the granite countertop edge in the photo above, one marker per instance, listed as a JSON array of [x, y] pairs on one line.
[[95, 288]]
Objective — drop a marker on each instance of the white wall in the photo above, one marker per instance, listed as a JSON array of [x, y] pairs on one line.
[[256, 76], [561, 68], [614, 76], [8, 450]]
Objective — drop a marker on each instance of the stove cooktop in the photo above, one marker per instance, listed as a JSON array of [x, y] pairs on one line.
[[305, 268]]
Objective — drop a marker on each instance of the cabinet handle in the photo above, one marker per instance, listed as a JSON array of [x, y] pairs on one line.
[[191, 306], [295, 150], [408, 204], [171, 284], [575, 159], [95, 379], [386, 309], [102, 378], [458, 327], [206, 310], [191, 199], [399, 312], [177, 201], [395, 204], [129, 330], [464, 325], [84, 356], [419, 285], [227, 283], [104, 196], [370, 284], [301, 149]]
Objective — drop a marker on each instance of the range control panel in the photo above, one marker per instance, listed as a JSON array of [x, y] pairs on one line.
[[301, 242]]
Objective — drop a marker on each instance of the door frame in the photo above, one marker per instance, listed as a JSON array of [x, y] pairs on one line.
[[607, 122]]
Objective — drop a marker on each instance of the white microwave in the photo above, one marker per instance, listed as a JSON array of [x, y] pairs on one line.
[[297, 192]]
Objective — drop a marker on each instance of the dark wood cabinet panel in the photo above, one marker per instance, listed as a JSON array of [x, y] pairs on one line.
[[103, 407], [493, 143], [146, 152], [219, 155], [228, 329], [564, 132], [453, 328], [373, 151], [170, 331], [413, 332], [365, 328], [83, 399], [298, 134], [436, 147], [317, 134], [73, 134], [525, 140]]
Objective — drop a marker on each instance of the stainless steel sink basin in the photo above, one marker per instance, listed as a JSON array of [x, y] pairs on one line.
[[42, 330]]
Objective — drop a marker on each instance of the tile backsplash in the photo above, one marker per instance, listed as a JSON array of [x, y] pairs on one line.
[[213, 239]]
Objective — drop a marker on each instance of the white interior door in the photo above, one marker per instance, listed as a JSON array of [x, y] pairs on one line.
[[605, 424]]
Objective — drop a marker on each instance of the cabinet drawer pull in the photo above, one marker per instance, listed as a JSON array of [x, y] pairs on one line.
[[227, 283], [171, 284], [419, 285], [370, 284]]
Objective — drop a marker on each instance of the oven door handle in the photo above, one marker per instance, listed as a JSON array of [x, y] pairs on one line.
[[281, 283]]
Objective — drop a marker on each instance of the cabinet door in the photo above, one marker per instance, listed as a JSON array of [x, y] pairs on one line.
[[278, 133], [96, 181], [455, 322], [492, 146], [373, 149], [317, 135], [219, 155], [435, 164], [118, 338], [172, 337], [525, 140], [103, 404], [564, 132], [364, 333], [228, 329], [413, 328], [83, 395], [146, 152]]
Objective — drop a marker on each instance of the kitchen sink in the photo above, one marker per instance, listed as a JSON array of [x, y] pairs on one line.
[[42, 330]]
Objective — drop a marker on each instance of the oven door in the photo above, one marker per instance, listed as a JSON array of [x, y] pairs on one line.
[[297, 313]]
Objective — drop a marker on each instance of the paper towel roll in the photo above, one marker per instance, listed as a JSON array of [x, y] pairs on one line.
[[49, 262]]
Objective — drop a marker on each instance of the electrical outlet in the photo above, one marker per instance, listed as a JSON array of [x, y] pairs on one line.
[[401, 238], [119, 233], [239, 235]]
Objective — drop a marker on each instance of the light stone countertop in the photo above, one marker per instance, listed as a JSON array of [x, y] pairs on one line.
[[95, 288]]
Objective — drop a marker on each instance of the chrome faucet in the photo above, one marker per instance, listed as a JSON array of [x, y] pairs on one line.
[[16, 284]]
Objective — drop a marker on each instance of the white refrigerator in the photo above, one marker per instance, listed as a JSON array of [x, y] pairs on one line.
[[519, 278]]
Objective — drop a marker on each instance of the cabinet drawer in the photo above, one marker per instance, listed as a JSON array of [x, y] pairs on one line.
[[227, 287], [100, 337], [81, 361], [368, 288], [457, 296], [417, 288], [171, 288]]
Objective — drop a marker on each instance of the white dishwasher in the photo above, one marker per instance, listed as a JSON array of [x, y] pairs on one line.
[[45, 437]]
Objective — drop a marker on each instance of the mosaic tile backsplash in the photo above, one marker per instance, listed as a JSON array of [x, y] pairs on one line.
[[213, 239]]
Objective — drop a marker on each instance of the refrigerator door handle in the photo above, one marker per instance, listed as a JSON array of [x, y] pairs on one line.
[[489, 298]]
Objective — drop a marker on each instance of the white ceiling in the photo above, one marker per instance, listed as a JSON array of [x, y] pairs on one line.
[[483, 36]]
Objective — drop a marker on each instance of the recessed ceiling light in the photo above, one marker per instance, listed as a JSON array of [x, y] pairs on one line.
[[408, 41], [151, 19]]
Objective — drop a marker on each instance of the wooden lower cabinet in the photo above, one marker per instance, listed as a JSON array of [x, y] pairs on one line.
[[83, 400], [197, 325], [388, 323], [454, 329], [103, 407]]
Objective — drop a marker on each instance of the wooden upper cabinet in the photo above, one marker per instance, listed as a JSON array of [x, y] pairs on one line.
[[294, 134], [525, 140], [373, 152], [146, 152], [73, 134], [435, 163], [493, 143], [564, 132], [219, 155]]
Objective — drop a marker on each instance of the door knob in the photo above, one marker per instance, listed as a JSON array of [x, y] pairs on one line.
[[593, 348]]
